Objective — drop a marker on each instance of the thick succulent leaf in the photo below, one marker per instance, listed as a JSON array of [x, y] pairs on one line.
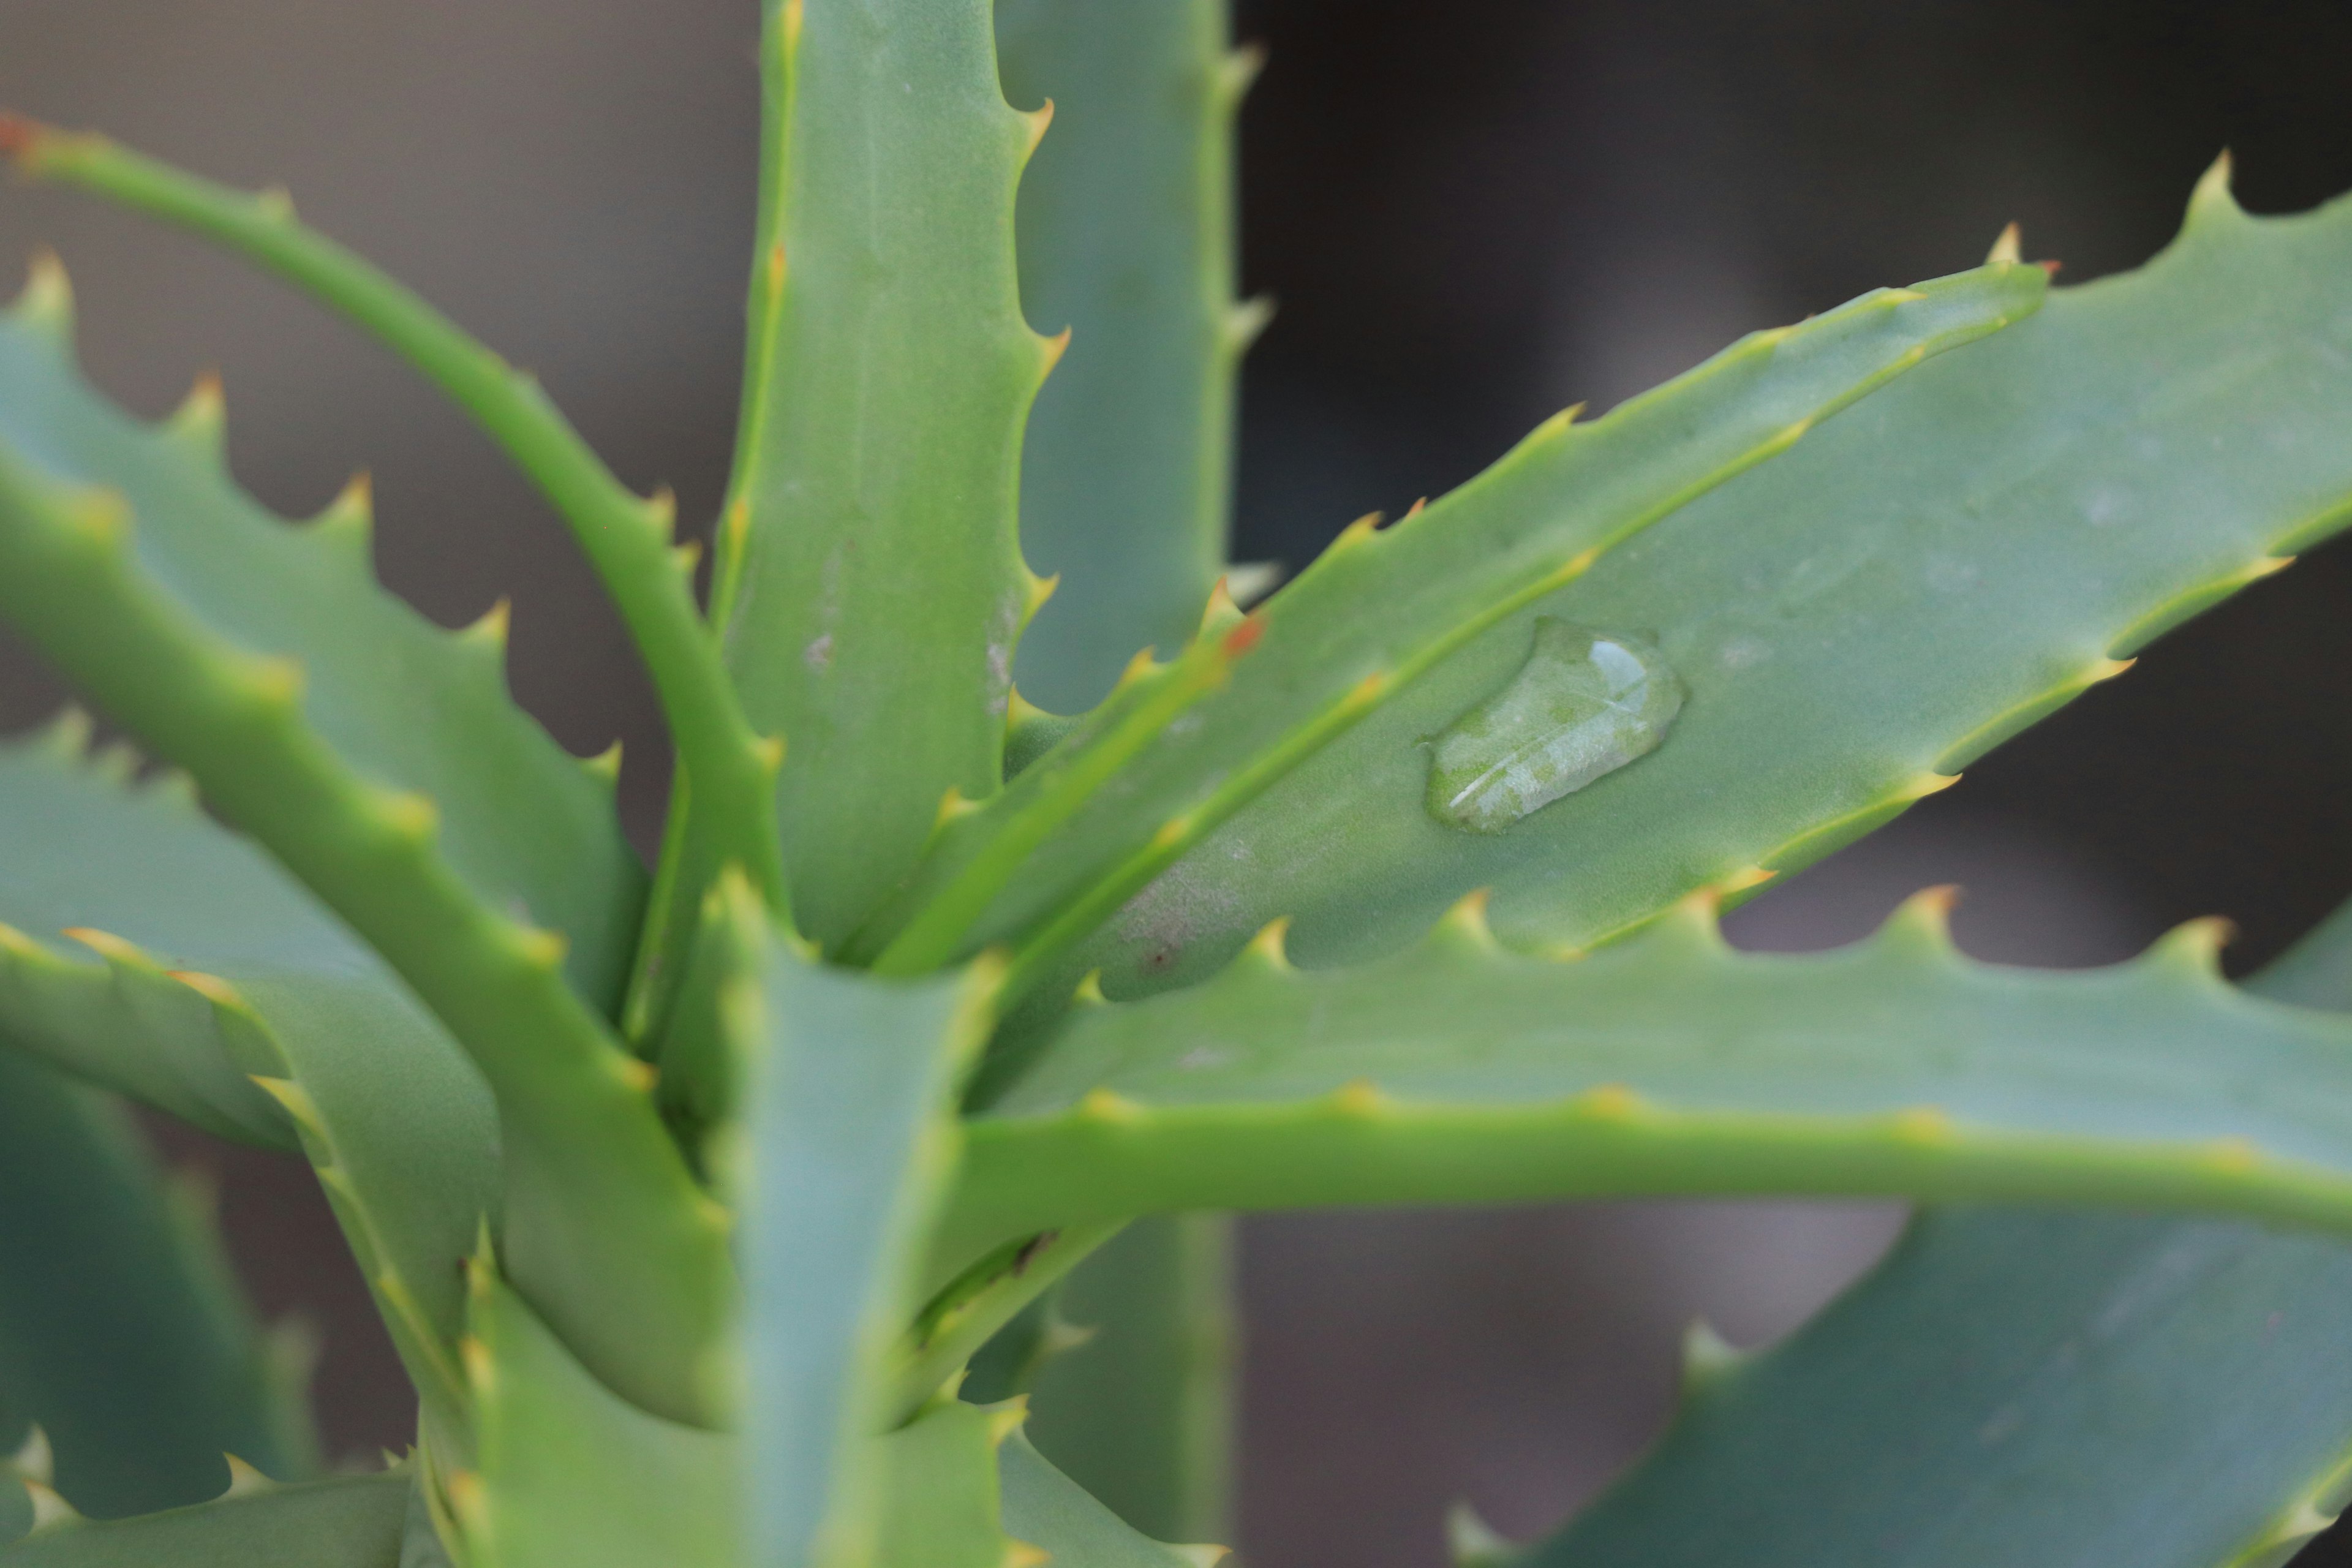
[[1125, 228], [867, 557], [2034, 1389], [1126, 225], [2027, 1388], [849, 1142], [603, 1223], [570, 1475], [1046, 1509], [1458, 1071], [1175, 752], [350, 1521], [199, 962], [123, 1333], [939, 1475], [406, 705], [1139, 1414], [1962, 553], [626, 537]]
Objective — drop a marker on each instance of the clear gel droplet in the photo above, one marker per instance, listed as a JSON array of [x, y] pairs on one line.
[[1585, 704]]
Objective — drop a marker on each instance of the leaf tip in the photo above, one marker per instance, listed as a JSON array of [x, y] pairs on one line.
[[2006, 248], [2212, 196], [244, 1480], [1035, 124], [1707, 1355], [47, 302], [34, 1457], [1269, 949]]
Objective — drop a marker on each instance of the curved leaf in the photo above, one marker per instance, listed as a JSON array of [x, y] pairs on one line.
[[626, 539], [1177, 751], [407, 706], [2015, 1387], [602, 1222], [2018, 1388], [123, 1333], [218, 970], [1460, 1072], [1967, 551]]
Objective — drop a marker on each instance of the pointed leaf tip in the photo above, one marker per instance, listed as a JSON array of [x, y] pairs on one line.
[[47, 302], [489, 629], [1466, 919], [1269, 948], [50, 1510], [1038, 122], [244, 1480], [2006, 248], [201, 421], [2213, 194], [1706, 1354], [1472, 1543], [34, 1458], [1925, 913]]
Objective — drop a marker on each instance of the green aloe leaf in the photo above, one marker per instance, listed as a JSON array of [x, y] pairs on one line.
[[569, 1475], [940, 1475], [1126, 230], [627, 538], [123, 1333], [1137, 1410], [2027, 1387], [199, 967], [1458, 1071], [1125, 227], [350, 1521], [601, 1221], [848, 1141], [526, 827], [2015, 1387], [1177, 751], [1959, 555], [867, 558], [1046, 1509]]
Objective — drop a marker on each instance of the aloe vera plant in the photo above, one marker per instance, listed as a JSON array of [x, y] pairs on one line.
[[743, 1214]]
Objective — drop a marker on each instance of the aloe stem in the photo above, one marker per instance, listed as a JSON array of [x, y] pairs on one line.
[[626, 536]]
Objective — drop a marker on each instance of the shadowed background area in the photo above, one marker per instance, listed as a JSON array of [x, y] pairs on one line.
[[1467, 221]]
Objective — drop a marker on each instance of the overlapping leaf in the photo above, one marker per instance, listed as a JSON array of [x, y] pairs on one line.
[[1963, 553], [851, 1139], [409, 707], [1126, 225], [867, 558], [1177, 752], [121, 1334], [2027, 1387], [1460, 1072], [601, 1221], [212, 969]]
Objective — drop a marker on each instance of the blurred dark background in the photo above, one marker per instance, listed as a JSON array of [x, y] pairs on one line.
[[1470, 216]]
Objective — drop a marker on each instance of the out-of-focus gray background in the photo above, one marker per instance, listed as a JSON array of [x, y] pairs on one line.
[[1471, 214]]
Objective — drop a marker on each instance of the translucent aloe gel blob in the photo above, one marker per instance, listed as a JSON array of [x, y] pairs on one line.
[[1585, 704]]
